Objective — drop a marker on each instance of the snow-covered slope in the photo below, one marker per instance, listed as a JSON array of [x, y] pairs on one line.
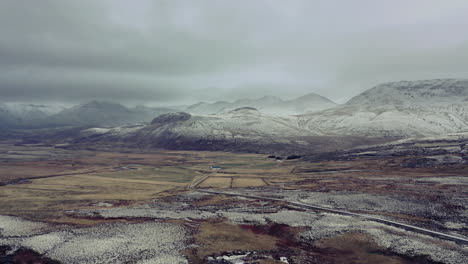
[[407, 108], [415, 93], [267, 104], [238, 129]]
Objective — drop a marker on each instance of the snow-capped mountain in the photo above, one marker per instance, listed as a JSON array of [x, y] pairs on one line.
[[402, 109], [267, 104], [237, 129]]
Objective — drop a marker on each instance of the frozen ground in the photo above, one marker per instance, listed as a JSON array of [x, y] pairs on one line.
[[156, 242], [315, 225], [148, 243], [436, 212]]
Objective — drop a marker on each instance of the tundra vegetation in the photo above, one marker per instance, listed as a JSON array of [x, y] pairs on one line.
[[62, 205]]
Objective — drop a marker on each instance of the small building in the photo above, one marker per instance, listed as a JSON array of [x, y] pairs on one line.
[[215, 168]]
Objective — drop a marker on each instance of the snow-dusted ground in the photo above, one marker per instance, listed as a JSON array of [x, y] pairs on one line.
[[156, 242], [316, 225], [149, 242], [391, 238]]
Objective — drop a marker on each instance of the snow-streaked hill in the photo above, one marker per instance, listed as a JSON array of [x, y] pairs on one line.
[[267, 104], [407, 108], [238, 129]]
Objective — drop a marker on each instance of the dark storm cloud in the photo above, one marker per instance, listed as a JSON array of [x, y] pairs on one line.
[[185, 51]]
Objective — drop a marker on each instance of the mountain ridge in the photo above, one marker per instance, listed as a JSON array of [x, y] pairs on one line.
[[310, 102], [402, 109]]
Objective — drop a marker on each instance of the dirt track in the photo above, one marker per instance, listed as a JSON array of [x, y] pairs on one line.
[[131, 180]]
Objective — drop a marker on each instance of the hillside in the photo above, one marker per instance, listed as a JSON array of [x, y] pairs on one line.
[[240, 129], [401, 109]]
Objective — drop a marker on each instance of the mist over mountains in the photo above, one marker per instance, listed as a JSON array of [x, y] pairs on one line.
[[103, 113], [94, 113]]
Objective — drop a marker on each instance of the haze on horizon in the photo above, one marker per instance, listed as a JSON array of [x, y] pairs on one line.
[[180, 52]]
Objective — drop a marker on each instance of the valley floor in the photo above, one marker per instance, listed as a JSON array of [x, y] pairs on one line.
[[132, 206]]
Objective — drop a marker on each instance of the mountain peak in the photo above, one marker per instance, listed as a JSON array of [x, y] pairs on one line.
[[435, 91]]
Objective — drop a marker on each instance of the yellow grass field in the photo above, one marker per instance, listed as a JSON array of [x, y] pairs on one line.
[[60, 180], [216, 182], [247, 182], [45, 198]]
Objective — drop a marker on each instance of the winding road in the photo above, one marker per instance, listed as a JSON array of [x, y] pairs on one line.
[[457, 239]]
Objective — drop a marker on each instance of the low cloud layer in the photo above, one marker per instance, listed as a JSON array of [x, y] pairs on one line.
[[175, 51]]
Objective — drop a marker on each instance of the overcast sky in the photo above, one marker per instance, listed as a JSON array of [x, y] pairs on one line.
[[174, 52]]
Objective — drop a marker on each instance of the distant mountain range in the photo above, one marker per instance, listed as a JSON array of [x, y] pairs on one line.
[[396, 109], [99, 113], [94, 113], [268, 104]]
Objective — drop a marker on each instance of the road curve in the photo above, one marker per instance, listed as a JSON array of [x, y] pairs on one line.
[[197, 182], [457, 239]]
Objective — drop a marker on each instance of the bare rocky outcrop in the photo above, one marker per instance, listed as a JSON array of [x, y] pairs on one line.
[[171, 118]]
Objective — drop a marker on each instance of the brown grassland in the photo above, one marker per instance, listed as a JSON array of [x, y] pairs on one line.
[[44, 185]]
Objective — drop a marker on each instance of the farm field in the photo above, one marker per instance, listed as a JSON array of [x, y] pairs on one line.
[[45, 184]]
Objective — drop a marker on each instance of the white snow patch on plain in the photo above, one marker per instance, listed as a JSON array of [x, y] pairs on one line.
[[151, 242], [11, 226]]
